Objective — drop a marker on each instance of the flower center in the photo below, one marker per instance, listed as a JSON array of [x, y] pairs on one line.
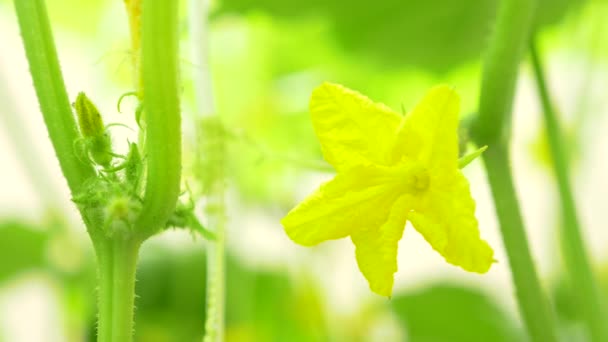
[[417, 178]]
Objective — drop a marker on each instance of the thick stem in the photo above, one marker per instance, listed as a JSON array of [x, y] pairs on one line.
[[117, 259], [574, 253], [493, 127], [50, 89], [500, 70], [532, 302], [162, 114]]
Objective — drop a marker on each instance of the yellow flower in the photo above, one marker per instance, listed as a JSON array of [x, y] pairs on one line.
[[390, 169]]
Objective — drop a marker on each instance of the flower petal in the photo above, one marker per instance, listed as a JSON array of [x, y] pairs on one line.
[[355, 199], [352, 129], [429, 133], [446, 219], [376, 248]]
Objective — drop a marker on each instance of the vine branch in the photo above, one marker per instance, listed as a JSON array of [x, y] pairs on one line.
[[493, 128], [162, 115], [50, 89], [575, 255]]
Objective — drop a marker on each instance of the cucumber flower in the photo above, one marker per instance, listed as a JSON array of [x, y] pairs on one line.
[[390, 169]]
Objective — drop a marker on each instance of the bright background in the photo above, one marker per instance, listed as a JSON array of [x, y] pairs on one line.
[[266, 57]]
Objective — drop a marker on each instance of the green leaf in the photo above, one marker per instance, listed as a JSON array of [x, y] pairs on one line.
[[170, 291], [268, 306], [262, 306], [22, 248], [434, 35], [444, 312], [551, 12]]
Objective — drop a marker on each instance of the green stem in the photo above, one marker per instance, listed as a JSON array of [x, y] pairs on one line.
[[499, 76], [162, 114], [211, 135], [575, 255], [116, 259], [532, 302], [50, 89], [216, 279], [211, 173], [116, 254], [493, 127]]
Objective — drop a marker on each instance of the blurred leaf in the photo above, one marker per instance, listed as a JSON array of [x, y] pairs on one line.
[[434, 35], [567, 306], [551, 12], [261, 165], [565, 301], [260, 306], [569, 312], [540, 150], [266, 306], [452, 313], [22, 248], [170, 292]]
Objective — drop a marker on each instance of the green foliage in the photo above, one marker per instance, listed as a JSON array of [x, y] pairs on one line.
[[263, 305], [569, 310], [266, 164], [434, 35], [287, 48], [444, 312], [171, 295], [267, 306], [551, 12], [22, 248]]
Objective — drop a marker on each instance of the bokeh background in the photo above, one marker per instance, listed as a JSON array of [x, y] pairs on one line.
[[265, 58]]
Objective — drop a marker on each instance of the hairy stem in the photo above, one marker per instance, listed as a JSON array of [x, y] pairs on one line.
[[116, 260], [162, 116], [575, 255], [116, 252], [212, 139], [493, 127], [210, 173], [50, 89]]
